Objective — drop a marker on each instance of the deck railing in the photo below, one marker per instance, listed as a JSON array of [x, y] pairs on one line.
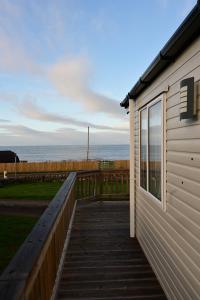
[[31, 274], [102, 184]]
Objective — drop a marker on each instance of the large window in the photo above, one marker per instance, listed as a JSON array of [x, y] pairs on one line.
[[151, 148], [143, 151]]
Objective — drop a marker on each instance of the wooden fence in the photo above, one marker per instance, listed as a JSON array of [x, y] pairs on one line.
[[32, 272], [53, 166]]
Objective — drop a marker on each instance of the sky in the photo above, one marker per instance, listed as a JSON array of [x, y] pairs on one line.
[[67, 64]]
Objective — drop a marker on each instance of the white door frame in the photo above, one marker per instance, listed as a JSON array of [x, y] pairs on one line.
[[132, 169]]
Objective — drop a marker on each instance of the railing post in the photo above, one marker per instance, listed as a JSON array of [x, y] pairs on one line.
[[101, 178], [95, 186]]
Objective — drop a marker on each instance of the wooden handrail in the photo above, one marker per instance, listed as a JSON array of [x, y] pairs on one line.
[[32, 272]]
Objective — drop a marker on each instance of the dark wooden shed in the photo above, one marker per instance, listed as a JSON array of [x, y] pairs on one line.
[[8, 157]]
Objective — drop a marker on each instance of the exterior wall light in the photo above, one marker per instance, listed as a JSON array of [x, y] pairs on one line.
[[188, 108]]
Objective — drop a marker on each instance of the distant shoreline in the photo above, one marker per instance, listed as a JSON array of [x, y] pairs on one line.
[[48, 153]]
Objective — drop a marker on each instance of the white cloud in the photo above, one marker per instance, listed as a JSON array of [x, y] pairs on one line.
[[33, 111], [13, 58], [72, 78], [22, 135], [8, 97], [4, 121], [19, 130]]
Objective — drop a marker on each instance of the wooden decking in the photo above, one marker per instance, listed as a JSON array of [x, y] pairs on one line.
[[102, 261]]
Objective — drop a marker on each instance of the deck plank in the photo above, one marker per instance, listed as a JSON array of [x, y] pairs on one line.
[[102, 261]]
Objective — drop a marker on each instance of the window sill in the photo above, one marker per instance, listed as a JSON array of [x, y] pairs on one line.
[[158, 202]]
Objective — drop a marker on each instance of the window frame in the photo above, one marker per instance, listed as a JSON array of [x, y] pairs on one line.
[[160, 202]]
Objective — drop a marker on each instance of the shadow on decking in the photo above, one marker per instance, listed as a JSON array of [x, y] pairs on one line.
[[102, 261]]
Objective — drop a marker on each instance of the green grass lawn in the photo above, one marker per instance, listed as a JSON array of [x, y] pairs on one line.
[[13, 231], [31, 191]]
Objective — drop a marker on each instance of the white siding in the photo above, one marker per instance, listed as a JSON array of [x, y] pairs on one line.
[[171, 238]]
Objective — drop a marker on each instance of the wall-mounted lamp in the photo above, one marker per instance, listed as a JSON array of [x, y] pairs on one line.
[[127, 110], [187, 99]]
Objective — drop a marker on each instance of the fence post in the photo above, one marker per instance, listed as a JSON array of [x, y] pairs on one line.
[[101, 184], [95, 186]]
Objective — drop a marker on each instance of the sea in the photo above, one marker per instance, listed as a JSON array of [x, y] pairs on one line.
[[69, 152]]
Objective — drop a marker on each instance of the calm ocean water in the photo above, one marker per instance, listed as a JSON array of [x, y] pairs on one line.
[[57, 153]]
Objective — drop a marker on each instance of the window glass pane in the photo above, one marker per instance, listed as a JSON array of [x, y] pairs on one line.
[[143, 149], [155, 150]]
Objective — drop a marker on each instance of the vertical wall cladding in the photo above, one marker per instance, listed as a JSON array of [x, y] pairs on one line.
[[171, 237]]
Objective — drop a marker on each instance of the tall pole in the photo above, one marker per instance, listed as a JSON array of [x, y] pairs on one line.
[[88, 142]]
